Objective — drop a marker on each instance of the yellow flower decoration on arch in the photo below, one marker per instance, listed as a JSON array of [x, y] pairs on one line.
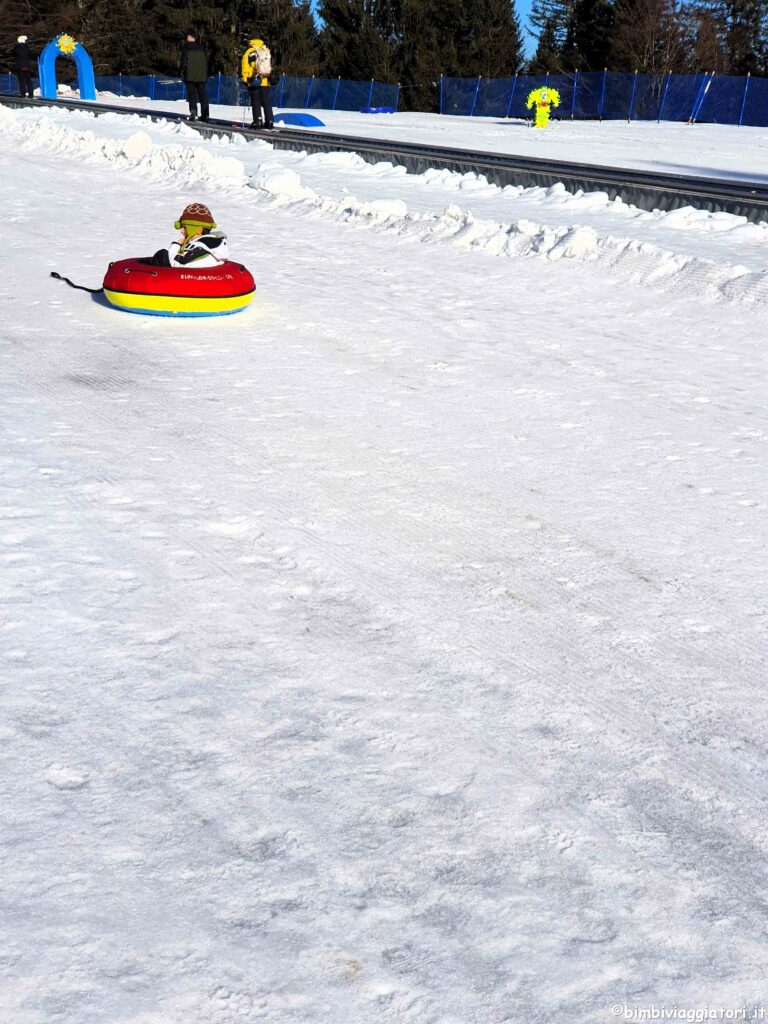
[[66, 44]]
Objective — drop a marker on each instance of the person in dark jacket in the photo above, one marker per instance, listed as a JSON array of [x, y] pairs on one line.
[[22, 59], [194, 71]]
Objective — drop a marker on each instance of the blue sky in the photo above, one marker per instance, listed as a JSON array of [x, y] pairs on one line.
[[524, 9]]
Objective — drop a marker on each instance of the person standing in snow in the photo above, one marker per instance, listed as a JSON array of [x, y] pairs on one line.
[[22, 59], [256, 72], [194, 71], [199, 246]]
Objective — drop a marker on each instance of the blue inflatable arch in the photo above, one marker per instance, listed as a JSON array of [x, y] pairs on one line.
[[64, 46]]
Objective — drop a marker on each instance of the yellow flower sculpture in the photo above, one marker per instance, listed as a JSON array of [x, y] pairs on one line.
[[543, 100], [66, 44]]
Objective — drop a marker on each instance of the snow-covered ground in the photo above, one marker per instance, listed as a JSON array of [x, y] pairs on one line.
[[394, 651], [687, 248], [710, 150]]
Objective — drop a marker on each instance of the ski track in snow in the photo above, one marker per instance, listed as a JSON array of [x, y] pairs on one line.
[[392, 652]]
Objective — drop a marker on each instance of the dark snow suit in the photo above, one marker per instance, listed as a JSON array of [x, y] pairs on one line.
[[22, 59], [194, 71], [260, 100]]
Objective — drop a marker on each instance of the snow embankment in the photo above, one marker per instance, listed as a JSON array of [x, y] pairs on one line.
[[186, 164]]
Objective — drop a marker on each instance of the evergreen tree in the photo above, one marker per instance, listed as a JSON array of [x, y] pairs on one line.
[[708, 52], [288, 29], [493, 45], [351, 46], [746, 35], [387, 15], [418, 56], [115, 37], [164, 24], [570, 58], [546, 59], [593, 23], [556, 18], [452, 38], [40, 20], [650, 36]]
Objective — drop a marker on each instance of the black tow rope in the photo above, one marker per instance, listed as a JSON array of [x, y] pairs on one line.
[[80, 287]]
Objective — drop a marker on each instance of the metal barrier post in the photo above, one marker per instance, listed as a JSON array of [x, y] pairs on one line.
[[744, 100], [664, 97], [151, 87], [218, 87], [397, 97], [441, 94], [575, 84], [370, 94], [120, 84], [602, 94], [512, 95], [336, 94], [309, 90], [632, 97], [282, 88], [474, 98]]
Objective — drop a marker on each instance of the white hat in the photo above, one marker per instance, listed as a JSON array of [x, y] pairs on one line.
[[21, 39]]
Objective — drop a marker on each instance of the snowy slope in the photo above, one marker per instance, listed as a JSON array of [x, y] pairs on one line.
[[393, 652]]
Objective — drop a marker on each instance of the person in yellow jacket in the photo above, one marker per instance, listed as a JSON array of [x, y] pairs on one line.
[[256, 72]]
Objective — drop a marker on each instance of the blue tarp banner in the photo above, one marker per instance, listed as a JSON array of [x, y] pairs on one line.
[[9, 85], [287, 92], [718, 99]]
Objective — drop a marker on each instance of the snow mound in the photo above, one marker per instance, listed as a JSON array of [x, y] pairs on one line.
[[281, 183], [188, 164], [179, 164], [137, 147], [576, 244]]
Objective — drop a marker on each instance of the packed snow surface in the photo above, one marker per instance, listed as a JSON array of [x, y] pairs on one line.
[[708, 150], [394, 651]]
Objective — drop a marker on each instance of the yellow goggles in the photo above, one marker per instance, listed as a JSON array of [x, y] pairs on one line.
[[179, 224]]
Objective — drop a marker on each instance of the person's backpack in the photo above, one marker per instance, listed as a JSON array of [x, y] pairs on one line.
[[263, 61]]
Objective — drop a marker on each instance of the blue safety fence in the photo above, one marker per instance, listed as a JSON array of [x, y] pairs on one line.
[[287, 92], [717, 99], [9, 85]]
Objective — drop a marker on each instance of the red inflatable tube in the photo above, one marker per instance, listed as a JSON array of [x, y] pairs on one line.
[[178, 291]]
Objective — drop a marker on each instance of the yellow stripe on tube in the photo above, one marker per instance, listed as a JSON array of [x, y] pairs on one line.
[[175, 305]]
